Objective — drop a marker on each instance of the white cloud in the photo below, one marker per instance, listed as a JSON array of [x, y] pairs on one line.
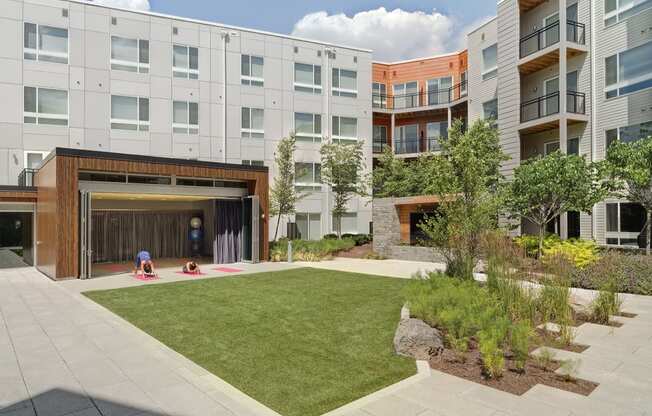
[[393, 35], [125, 4]]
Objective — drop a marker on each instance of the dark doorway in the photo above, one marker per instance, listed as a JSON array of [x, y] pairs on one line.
[[573, 224], [417, 235], [16, 239]]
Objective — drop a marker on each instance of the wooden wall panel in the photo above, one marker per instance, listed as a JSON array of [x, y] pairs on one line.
[[17, 196], [46, 218]]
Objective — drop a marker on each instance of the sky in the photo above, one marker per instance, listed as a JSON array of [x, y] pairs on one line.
[[393, 29]]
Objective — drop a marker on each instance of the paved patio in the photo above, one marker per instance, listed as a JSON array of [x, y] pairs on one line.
[[62, 354]]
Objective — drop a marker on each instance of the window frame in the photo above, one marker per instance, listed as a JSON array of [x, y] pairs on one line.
[[338, 137], [438, 91], [37, 115], [619, 235], [138, 122], [618, 85], [191, 129], [351, 214], [250, 162], [249, 132], [546, 152], [37, 51], [309, 217], [316, 88], [403, 98], [484, 112], [614, 17], [140, 67], [190, 73], [314, 185], [378, 95], [492, 72], [309, 137], [250, 80], [26, 153], [463, 82], [339, 91], [568, 142], [619, 129]]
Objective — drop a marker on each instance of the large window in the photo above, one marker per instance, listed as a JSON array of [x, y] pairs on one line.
[[436, 132], [629, 134], [130, 54], [345, 83], [308, 225], [463, 83], [307, 78], [307, 176], [45, 43], [439, 90], [129, 113], [345, 129], [379, 95], [185, 62], [45, 106], [251, 70], [348, 223], [34, 158], [625, 222], [406, 139], [490, 109], [628, 71], [380, 138], [406, 95], [307, 127], [253, 123], [573, 146], [185, 117], [617, 10], [490, 62], [550, 147]]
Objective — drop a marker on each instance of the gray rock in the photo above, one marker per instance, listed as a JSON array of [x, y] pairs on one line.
[[414, 338]]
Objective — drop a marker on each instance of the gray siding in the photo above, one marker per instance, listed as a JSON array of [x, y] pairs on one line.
[[480, 91]]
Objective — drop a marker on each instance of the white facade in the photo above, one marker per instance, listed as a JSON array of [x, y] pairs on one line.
[[75, 74]]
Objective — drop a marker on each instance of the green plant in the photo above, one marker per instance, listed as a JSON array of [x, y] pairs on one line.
[[607, 303], [545, 358], [581, 253], [519, 343], [632, 273], [530, 243], [459, 345], [372, 255], [493, 360], [569, 369], [303, 250], [360, 239]]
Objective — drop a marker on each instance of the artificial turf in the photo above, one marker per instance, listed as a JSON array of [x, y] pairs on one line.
[[301, 341]]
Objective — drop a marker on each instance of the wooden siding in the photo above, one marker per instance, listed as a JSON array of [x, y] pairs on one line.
[[18, 195], [404, 211], [58, 202]]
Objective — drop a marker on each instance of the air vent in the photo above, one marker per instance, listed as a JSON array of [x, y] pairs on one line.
[[175, 30], [114, 21], [296, 49], [319, 54], [355, 59], [64, 12], [482, 37]]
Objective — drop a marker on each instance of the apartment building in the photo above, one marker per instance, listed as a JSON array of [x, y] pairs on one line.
[[571, 75], [74, 74]]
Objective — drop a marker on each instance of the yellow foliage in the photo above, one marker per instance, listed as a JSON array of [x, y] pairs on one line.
[[581, 252]]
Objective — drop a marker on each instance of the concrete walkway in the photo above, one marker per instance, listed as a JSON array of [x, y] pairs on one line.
[[62, 354]]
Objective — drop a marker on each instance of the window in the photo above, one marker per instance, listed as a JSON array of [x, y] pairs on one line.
[[617, 10], [129, 113], [625, 222], [307, 175], [550, 147], [33, 159], [490, 62], [45, 106], [379, 95], [406, 95], [439, 90], [194, 182], [629, 134], [463, 82], [380, 138], [307, 78], [130, 54], [45, 43], [251, 70], [149, 180], [185, 117], [628, 71], [345, 129], [185, 62], [407, 139], [348, 223], [253, 162], [345, 83], [573, 146], [436, 131], [308, 225], [253, 123], [490, 109], [307, 127]]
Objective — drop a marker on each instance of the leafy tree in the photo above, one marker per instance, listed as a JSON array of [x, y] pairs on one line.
[[341, 170], [466, 176], [391, 176], [546, 187], [283, 194], [630, 164]]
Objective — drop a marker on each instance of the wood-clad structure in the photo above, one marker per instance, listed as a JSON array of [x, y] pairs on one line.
[[56, 194]]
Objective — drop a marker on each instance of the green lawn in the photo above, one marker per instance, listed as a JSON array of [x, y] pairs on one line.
[[301, 341]]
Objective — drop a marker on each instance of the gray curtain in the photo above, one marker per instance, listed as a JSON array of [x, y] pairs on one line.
[[228, 231]]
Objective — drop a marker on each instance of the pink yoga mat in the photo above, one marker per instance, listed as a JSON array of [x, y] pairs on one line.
[[227, 269], [191, 274], [146, 278]]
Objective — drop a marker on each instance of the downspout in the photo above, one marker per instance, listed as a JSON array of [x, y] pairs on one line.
[[593, 104], [225, 39], [330, 54]]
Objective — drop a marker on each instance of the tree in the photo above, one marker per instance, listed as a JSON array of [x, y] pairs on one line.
[[396, 177], [545, 187], [341, 170], [466, 176], [630, 164], [283, 194]]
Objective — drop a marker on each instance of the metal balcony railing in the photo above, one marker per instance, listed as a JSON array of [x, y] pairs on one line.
[[26, 177], [378, 145], [541, 39], [406, 146], [433, 144], [420, 99], [549, 104], [575, 32]]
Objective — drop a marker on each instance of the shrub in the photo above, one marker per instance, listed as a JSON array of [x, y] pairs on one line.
[[493, 360], [530, 243], [607, 303], [459, 345], [545, 358], [330, 237], [580, 252], [519, 343], [359, 239], [303, 250], [372, 255], [569, 369], [632, 273]]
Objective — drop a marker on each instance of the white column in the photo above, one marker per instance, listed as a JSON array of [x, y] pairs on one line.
[[450, 117], [392, 131], [563, 100]]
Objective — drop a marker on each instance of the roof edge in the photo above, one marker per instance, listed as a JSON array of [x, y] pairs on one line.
[[443, 55]]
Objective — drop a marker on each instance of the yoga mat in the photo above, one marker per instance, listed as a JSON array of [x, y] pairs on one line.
[[192, 274], [146, 278]]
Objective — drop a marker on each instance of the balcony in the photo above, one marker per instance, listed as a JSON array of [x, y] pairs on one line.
[[378, 145], [542, 113], [420, 100], [415, 146], [540, 49], [26, 177]]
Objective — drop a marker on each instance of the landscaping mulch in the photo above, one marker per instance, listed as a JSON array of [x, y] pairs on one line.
[[580, 319], [548, 339], [357, 252], [627, 315], [512, 381]]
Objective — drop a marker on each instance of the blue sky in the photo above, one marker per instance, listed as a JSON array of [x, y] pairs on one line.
[[402, 29]]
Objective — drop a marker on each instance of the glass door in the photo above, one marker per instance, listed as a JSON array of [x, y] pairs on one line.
[[85, 240], [551, 103], [251, 229]]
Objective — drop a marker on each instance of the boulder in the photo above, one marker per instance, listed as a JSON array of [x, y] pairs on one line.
[[414, 338]]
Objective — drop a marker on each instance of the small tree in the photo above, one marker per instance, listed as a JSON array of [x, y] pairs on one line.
[[341, 170], [630, 164], [545, 187], [283, 194]]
